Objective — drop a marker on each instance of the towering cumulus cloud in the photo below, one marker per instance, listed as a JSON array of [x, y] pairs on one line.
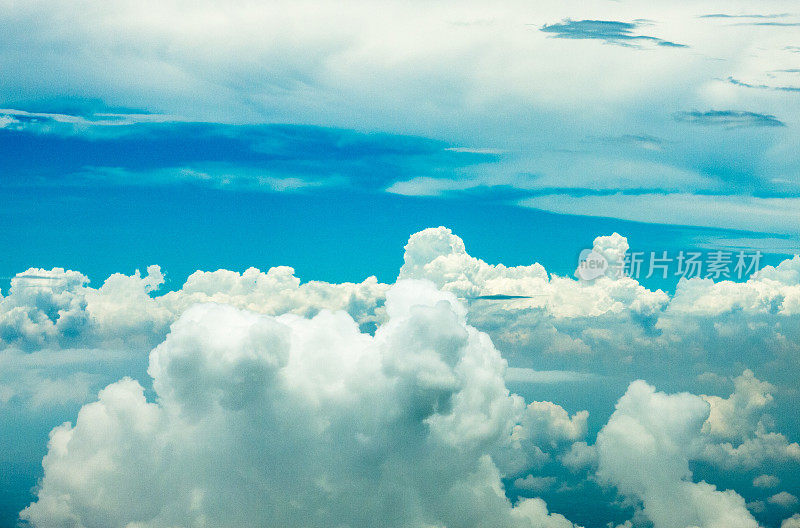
[[292, 421]]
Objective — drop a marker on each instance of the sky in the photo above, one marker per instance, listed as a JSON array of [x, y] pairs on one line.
[[346, 160]]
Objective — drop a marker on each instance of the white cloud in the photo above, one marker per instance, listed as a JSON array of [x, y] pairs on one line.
[[56, 308], [484, 79], [297, 420], [783, 499], [427, 186], [738, 430], [791, 522], [766, 481], [771, 215], [556, 320], [217, 176], [392, 374], [580, 456], [554, 326], [357, 67], [734, 417], [644, 450], [51, 122]]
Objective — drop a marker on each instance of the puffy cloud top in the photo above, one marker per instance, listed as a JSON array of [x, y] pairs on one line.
[[297, 420]]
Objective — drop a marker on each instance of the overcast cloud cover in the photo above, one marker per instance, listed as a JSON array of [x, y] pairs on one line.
[[208, 317]]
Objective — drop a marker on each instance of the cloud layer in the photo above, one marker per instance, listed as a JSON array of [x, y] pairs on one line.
[[302, 421], [268, 396]]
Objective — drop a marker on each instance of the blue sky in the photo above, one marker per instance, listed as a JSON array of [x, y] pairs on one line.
[[121, 196]]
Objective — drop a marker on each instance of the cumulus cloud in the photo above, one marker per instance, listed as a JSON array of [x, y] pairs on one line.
[[739, 432], [766, 481], [543, 322], [791, 522], [57, 309], [437, 254], [644, 450], [388, 372], [783, 499], [737, 415], [523, 308], [298, 420], [61, 340]]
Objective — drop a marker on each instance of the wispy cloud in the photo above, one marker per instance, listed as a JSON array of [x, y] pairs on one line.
[[644, 142], [609, 31], [429, 186], [477, 150], [782, 245], [729, 118], [132, 150], [526, 375], [751, 15], [219, 177], [735, 212], [775, 24], [743, 84], [21, 119]]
